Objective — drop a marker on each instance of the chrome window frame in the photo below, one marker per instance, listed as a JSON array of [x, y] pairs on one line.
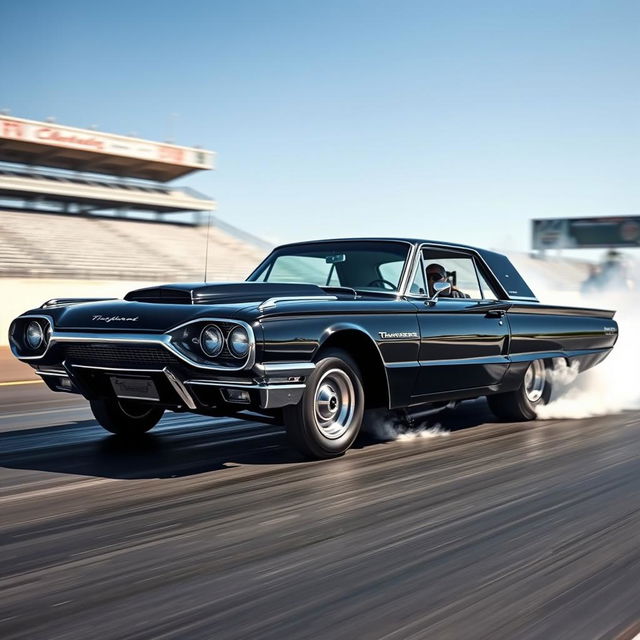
[[473, 255], [408, 261]]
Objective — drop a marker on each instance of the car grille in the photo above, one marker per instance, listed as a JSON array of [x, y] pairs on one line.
[[125, 356]]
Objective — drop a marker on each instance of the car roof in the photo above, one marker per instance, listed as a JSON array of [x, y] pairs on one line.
[[507, 276], [386, 239]]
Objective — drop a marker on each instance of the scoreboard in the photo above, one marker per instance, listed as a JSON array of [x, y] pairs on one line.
[[586, 233]]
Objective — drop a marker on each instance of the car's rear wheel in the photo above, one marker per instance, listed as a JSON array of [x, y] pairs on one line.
[[327, 420], [521, 404], [125, 417]]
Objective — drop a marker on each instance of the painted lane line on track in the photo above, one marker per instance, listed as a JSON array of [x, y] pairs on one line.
[[44, 412], [18, 382], [84, 484]]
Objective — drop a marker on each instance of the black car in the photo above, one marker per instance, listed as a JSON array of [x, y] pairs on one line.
[[318, 333]]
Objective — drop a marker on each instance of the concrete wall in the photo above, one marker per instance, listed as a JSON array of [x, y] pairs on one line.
[[17, 295]]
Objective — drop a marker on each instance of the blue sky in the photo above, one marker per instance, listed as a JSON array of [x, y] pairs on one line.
[[456, 121]]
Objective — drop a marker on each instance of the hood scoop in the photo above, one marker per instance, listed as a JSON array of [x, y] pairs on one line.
[[223, 292]]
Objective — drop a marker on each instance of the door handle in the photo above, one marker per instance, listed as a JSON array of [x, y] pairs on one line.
[[495, 313]]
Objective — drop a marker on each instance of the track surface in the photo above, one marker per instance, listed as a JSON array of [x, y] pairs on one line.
[[215, 529]]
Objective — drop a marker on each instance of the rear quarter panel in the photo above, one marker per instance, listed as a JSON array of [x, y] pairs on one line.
[[585, 336]]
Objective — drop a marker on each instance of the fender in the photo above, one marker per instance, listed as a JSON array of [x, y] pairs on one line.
[[356, 340]]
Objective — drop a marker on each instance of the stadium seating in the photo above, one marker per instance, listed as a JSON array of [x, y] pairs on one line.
[[73, 246], [101, 194]]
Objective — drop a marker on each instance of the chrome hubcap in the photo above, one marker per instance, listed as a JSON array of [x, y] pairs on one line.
[[534, 380], [133, 411], [334, 404]]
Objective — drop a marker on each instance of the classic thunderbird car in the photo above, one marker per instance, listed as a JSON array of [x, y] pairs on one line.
[[319, 332]]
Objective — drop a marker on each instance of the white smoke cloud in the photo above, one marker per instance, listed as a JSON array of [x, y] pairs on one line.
[[386, 425], [609, 387]]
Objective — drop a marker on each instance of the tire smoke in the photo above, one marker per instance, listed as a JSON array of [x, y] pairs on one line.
[[609, 387], [386, 425]]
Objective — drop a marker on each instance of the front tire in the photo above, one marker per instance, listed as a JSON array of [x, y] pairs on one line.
[[327, 420], [125, 417], [520, 405]]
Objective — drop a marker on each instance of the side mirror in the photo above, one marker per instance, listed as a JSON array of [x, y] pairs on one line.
[[439, 288]]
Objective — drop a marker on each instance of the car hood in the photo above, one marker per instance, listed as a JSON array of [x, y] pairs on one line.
[[158, 309], [221, 292]]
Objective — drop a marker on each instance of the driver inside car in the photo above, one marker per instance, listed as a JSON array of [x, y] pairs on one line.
[[437, 273]]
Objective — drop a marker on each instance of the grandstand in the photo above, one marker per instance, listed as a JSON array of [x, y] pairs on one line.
[[82, 204], [49, 167], [45, 245], [94, 195]]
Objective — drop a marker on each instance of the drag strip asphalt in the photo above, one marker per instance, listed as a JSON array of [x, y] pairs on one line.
[[214, 529]]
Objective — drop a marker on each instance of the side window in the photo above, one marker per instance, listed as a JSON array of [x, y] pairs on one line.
[[487, 292], [418, 285], [460, 271]]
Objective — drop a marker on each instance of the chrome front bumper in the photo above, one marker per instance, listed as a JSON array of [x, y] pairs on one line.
[[275, 385], [278, 384]]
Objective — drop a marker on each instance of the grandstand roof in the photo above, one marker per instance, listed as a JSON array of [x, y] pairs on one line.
[[53, 145]]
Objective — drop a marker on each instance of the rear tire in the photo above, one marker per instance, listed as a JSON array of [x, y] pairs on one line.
[[125, 417], [325, 423], [521, 404]]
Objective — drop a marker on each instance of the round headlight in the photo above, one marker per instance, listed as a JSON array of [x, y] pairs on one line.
[[238, 341], [211, 340], [34, 335]]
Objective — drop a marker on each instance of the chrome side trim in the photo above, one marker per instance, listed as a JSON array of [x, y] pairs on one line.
[[279, 367], [66, 302], [180, 389], [272, 302], [284, 369]]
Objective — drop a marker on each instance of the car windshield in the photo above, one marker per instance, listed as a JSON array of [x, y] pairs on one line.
[[360, 265]]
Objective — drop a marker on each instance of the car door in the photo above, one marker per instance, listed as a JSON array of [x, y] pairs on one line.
[[464, 341]]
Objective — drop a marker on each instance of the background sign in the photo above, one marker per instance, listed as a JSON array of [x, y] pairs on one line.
[[586, 233], [54, 135]]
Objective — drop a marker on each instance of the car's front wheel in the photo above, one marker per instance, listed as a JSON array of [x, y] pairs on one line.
[[327, 420], [521, 404], [125, 417]]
